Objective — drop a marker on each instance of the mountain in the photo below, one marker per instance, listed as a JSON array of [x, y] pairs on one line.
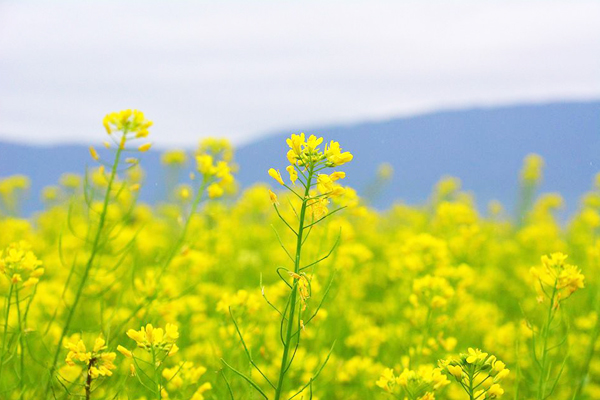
[[484, 147]]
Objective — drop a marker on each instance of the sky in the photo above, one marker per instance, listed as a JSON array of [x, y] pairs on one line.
[[242, 69]]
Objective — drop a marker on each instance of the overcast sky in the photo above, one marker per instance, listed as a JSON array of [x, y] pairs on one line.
[[241, 69]]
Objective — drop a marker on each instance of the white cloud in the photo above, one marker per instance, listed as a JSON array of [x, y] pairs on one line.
[[241, 68]]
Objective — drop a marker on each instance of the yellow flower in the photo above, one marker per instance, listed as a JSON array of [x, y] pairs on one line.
[[16, 278], [312, 143], [183, 192], [556, 274], [293, 173], [475, 355], [145, 147], [495, 391], [324, 183], [337, 175], [303, 288], [215, 190], [174, 157], [296, 143], [99, 344], [174, 349], [499, 366], [273, 198], [149, 337], [532, 169], [385, 171], [292, 157], [455, 371], [318, 207], [20, 264], [387, 378], [98, 362], [335, 156], [171, 333], [276, 175], [94, 153], [205, 164], [199, 394], [124, 351], [479, 368], [138, 336], [128, 122], [502, 374]]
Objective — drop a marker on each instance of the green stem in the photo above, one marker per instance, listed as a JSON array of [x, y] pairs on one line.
[[88, 267], [292, 308], [541, 394], [10, 291], [525, 202], [156, 373], [21, 344], [471, 377], [88, 382]]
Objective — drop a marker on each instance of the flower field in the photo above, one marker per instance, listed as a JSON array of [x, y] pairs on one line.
[[296, 290]]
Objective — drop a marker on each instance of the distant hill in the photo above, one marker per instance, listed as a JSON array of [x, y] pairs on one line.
[[483, 147]]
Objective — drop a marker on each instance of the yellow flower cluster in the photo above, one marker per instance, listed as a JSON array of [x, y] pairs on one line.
[[174, 158], [305, 158], [20, 265], [417, 384], [478, 373], [13, 183], [214, 161], [557, 280], [184, 375], [12, 189], [127, 121], [132, 124], [98, 361], [433, 291], [154, 339], [532, 169]]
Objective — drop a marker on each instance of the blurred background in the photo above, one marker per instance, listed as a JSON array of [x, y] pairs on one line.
[[426, 88]]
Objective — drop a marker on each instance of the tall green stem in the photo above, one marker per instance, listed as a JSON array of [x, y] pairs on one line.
[[541, 394], [156, 374], [88, 266], [471, 378], [21, 344], [88, 382], [290, 326], [8, 299]]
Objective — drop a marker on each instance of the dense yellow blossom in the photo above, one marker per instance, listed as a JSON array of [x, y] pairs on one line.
[[193, 295], [478, 373], [556, 278], [20, 265], [97, 362]]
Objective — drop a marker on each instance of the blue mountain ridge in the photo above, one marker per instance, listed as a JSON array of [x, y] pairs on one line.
[[484, 147]]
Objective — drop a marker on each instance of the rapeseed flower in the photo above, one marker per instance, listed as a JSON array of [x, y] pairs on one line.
[[97, 362]]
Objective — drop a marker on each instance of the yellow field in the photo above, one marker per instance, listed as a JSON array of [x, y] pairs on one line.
[[304, 292]]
